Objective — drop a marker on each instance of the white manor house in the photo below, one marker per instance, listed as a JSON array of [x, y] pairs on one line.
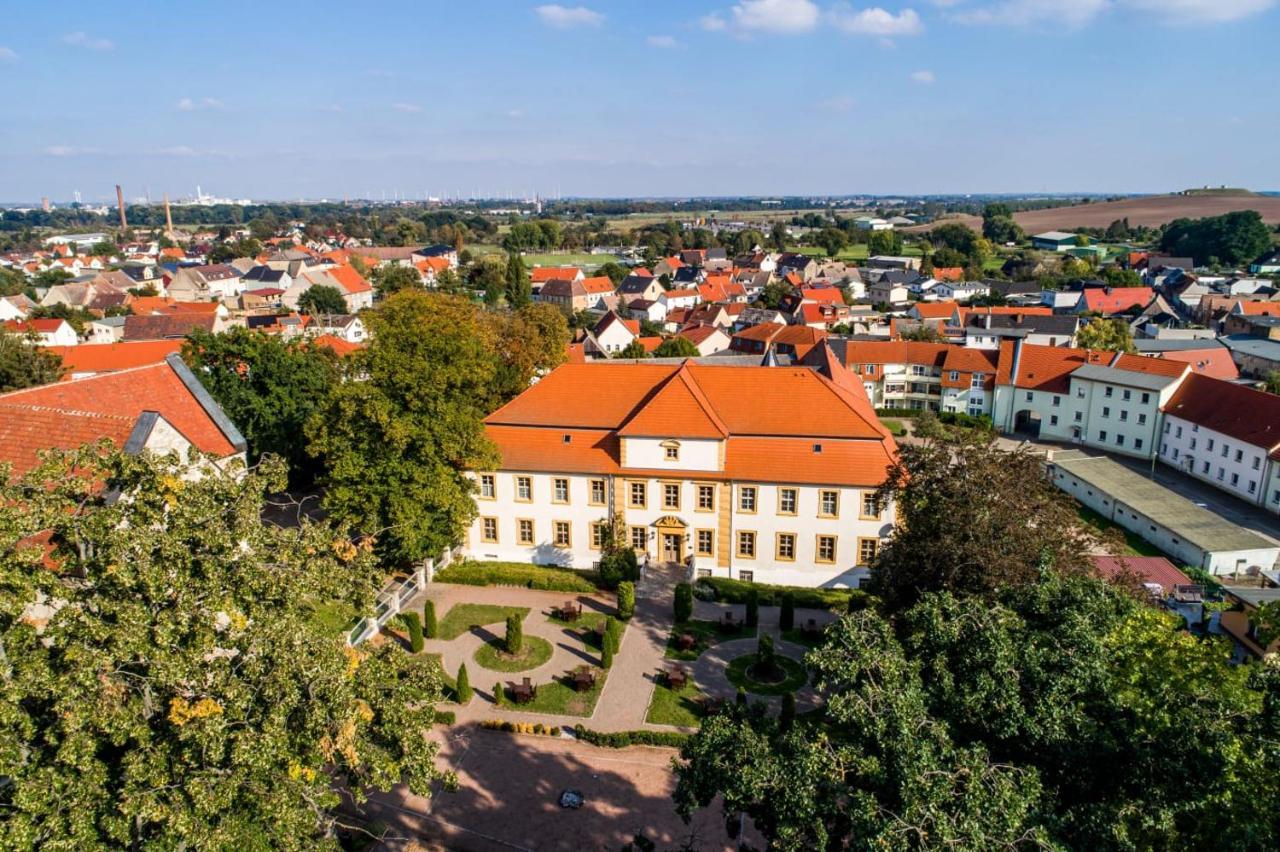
[[764, 474]]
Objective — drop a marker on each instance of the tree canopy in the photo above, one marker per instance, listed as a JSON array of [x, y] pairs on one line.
[[1111, 335], [171, 684], [269, 388], [397, 444], [1232, 238], [23, 364], [392, 278], [676, 347], [322, 299]]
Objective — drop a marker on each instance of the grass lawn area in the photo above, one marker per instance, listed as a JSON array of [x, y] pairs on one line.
[[1134, 544], [670, 707], [894, 426], [795, 676], [482, 249], [560, 698], [584, 628], [493, 656], [463, 617], [705, 634], [566, 259]]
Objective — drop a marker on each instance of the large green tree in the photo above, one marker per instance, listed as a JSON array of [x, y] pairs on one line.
[[269, 387], [519, 290], [322, 299], [390, 279], [397, 443], [1232, 238], [527, 343], [1111, 335], [169, 683], [23, 364]]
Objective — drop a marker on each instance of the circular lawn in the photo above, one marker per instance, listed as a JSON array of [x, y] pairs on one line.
[[789, 676], [493, 655]]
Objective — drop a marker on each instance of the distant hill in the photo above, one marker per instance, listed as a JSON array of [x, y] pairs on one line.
[[1151, 210]]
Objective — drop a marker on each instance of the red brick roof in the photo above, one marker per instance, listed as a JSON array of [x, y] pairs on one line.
[[543, 274], [1151, 569], [110, 357], [68, 414], [1046, 368], [1235, 410], [1213, 361], [948, 273], [1114, 300]]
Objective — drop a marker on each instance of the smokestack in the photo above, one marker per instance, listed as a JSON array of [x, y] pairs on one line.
[[44, 204], [168, 219], [124, 223]]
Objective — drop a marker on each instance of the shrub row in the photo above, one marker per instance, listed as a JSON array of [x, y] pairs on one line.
[[623, 739], [899, 412], [536, 728], [969, 421], [739, 592], [445, 717], [544, 577]]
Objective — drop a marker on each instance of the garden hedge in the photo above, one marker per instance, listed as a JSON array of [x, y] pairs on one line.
[[739, 592], [544, 577], [623, 739]]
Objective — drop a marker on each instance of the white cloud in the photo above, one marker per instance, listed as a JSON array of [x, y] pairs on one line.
[[839, 103], [564, 17], [176, 151], [1202, 11], [776, 16], [665, 42], [192, 104], [714, 23], [875, 21], [923, 76], [1023, 13], [83, 39], [68, 151], [8, 54], [403, 107]]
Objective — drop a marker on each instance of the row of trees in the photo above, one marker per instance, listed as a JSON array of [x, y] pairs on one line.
[[996, 695]]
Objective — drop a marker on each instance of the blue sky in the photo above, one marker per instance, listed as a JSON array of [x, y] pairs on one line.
[[644, 98]]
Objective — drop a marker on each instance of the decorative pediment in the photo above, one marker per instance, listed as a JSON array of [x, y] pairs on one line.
[[670, 521]]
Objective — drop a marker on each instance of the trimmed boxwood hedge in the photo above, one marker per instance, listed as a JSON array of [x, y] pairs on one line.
[[623, 739], [738, 592], [544, 577]]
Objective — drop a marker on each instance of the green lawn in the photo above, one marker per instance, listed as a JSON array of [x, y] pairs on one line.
[[796, 676], [858, 251], [560, 698], [895, 427], [566, 259], [799, 637], [464, 617], [493, 656], [1134, 544], [705, 634], [334, 616], [683, 708]]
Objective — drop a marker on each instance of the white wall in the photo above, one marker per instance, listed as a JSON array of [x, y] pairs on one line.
[[1190, 448], [649, 454]]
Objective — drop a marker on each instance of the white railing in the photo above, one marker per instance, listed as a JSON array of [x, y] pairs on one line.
[[395, 596]]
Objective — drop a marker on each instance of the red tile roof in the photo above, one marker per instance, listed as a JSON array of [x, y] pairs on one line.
[[1046, 368], [1237, 411], [110, 357], [69, 414], [935, 310], [598, 284], [1114, 300], [145, 305], [948, 273], [340, 347], [351, 279], [543, 274], [1213, 361], [1151, 569], [825, 294], [40, 326], [1257, 309], [1152, 366]]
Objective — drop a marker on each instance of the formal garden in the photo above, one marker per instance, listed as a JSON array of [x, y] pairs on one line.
[[521, 638]]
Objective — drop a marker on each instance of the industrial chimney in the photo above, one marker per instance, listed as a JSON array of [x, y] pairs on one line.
[[168, 219], [44, 204], [124, 223]]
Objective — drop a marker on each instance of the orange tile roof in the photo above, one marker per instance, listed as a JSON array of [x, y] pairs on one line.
[[698, 333], [1003, 311], [543, 274], [935, 310], [825, 294], [350, 279], [340, 347], [1154, 366], [1049, 368], [146, 305], [110, 357], [895, 352], [948, 273], [1257, 309], [1113, 300], [42, 326], [598, 284], [795, 426], [173, 252], [650, 343], [1214, 361], [433, 264], [62, 414], [642, 272]]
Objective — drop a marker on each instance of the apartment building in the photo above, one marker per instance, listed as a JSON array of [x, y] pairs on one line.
[[923, 376], [763, 474]]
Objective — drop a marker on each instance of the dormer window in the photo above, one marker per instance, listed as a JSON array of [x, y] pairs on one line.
[[817, 448], [568, 438], [671, 450]]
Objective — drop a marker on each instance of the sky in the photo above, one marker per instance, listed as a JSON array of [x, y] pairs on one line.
[[642, 98]]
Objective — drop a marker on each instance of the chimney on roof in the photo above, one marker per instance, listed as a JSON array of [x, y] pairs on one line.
[[124, 223]]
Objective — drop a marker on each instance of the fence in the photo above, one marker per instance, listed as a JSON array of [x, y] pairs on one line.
[[395, 596]]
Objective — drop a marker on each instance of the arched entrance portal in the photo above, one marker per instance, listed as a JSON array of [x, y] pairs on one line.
[[1027, 422], [671, 534]]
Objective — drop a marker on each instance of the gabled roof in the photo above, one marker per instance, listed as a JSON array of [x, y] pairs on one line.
[[1256, 309], [677, 409], [1114, 300], [350, 279], [948, 273], [1045, 368], [543, 274], [160, 327], [68, 414], [1242, 413], [1150, 569], [597, 284], [935, 310]]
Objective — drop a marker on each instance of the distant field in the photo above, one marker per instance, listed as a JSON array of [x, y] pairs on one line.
[[856, 252], [1152, 211], [566, 259]]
